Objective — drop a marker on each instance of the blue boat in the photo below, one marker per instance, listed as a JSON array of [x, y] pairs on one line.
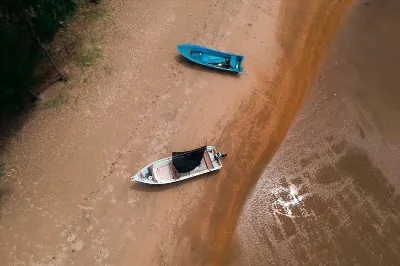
[[212, 58]]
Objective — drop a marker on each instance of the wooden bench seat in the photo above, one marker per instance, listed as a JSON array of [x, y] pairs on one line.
[[175, 174], [207, 159], [153, 174]]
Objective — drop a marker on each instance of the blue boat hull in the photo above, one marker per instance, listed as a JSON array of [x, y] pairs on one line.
[[212, 58]]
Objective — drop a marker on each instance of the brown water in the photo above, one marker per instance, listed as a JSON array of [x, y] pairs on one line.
[[331, 194]]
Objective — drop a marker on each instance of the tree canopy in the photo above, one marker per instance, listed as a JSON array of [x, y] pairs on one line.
[[19, 53]]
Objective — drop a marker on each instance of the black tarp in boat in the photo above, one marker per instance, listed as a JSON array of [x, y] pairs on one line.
[[186, 161]]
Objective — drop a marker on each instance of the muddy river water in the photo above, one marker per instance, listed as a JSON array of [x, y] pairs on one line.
[[330, 196]]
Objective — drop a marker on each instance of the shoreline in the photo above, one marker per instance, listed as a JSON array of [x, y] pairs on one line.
[[290, 83]]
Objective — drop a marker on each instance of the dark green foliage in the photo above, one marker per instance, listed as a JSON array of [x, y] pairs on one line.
[[19, 52]]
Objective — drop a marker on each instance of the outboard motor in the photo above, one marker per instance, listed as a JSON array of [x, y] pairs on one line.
[[220, 155]]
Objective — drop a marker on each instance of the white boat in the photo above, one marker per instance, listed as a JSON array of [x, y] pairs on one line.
[[181, 166]]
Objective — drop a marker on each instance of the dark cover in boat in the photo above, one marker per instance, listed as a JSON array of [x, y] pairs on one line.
[[186, 161]]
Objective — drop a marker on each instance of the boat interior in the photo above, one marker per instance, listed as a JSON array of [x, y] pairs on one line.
[[166, 172], [222, 60]]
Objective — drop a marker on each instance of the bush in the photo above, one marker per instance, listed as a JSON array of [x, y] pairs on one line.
[[19, 53]]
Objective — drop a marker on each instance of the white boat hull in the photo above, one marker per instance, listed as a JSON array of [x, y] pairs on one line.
[[160, 172]]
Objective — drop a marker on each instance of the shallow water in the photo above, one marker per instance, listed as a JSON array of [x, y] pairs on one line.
[[330, 195]]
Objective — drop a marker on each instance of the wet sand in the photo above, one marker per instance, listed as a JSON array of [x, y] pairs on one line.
[[331, 194]]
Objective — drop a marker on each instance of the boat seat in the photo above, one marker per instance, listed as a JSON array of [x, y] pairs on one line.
[[233, 61], [207, 159], [153, 174], [175, 174]]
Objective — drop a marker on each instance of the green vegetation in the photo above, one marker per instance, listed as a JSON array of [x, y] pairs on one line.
[[56, 102], [93, 13], [88, 57], [19, 52]]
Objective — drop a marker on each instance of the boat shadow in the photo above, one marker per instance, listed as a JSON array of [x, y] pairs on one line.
[[159, 188], [192, 65]]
